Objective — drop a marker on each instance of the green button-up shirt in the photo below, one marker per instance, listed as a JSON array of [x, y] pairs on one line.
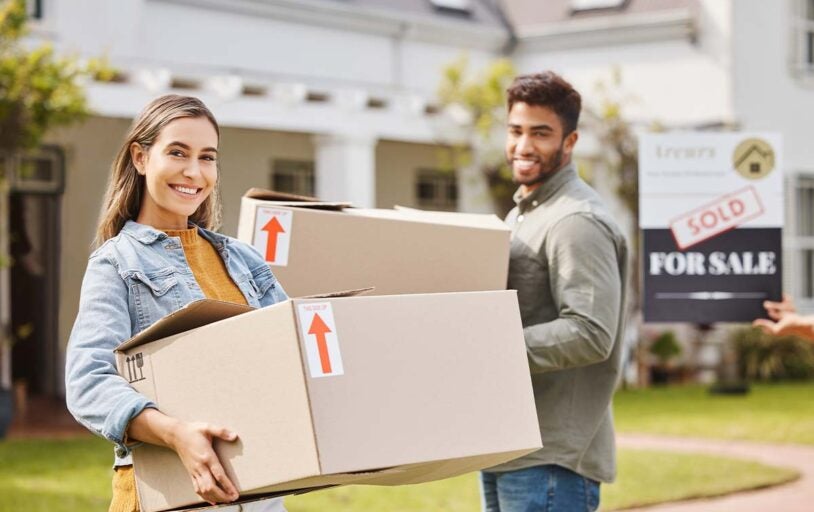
[[569, 266]]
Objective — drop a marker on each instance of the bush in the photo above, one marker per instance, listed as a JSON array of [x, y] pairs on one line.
[[764, 357], [665, 347]]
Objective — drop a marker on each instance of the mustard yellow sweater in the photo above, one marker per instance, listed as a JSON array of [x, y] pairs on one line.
[[208, 267]]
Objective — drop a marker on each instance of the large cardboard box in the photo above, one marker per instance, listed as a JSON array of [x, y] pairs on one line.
[[378, 390], [316, 247]]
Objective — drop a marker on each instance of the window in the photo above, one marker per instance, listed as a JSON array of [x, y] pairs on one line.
[[293, 177], [805, 206], [589, 5], [802, 236], [38, 172], [807, 262], [34, 8], [436, 190], [804, 36], [454, 6]]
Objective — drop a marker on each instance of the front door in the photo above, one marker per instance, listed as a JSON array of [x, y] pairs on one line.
[[34, 208]]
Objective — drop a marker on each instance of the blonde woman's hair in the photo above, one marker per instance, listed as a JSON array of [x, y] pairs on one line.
[[126, 186]]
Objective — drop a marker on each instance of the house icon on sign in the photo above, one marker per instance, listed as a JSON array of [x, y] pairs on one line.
[[754, 159]]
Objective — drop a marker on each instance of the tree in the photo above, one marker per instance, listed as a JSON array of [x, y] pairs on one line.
[[39, 90], [478, 106]]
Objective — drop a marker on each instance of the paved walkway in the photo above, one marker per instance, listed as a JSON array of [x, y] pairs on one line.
[[797, 496], [44, 417]]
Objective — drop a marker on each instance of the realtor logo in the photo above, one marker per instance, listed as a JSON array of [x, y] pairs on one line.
[[753, 159], [135, 367]]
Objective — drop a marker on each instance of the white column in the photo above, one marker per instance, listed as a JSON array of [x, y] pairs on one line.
[[473, 189], [346, 169]]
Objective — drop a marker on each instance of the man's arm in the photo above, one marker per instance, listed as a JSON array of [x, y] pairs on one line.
[[587, 288]]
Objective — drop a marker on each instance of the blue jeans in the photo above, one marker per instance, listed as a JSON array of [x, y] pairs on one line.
[[546, 488]]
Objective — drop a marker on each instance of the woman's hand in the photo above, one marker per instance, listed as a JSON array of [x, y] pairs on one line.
[[193, 444]]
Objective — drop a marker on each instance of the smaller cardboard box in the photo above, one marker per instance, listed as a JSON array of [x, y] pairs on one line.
[[381, 390], [316, 247]]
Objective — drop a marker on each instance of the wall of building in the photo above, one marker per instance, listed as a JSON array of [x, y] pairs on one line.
[[768, 94], [679, 80], [772, 94], [246, 158], [374, 50], [397, 166]]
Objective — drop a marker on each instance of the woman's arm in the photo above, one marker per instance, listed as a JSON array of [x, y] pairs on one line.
[[106, 404], [96, 395], [193, 444]]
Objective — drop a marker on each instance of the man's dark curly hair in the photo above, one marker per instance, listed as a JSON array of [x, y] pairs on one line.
[[547, 89]]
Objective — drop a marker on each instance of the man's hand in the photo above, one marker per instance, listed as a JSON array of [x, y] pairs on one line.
[[785, 321]]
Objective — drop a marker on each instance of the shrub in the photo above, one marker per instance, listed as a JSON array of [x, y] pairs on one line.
[[764, 357], [665, 347]]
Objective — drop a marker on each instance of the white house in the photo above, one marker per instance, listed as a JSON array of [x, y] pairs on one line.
[[337, 98], [320, 97]]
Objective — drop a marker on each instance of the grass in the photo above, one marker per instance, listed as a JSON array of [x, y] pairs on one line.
[[55, 476], [74, 475], [645, 477], [781, 413]]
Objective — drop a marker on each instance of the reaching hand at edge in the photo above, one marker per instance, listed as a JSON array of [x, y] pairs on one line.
[[785, 321]]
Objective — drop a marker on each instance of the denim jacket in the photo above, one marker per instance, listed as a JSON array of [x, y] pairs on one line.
[[132, 280]]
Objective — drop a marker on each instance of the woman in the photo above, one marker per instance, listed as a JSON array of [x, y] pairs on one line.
[[155, 254]]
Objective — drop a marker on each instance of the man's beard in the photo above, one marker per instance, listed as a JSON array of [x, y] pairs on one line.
[[547, 169]]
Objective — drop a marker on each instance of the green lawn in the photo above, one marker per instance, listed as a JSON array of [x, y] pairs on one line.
[[644, 477], [55, 476], [74, 475], [782, 413]]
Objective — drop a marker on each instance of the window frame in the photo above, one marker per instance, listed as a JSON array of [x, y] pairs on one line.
[[302, 172], [21, 184], [441, 180]]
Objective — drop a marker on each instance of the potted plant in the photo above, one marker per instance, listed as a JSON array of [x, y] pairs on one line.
[[665, 348]]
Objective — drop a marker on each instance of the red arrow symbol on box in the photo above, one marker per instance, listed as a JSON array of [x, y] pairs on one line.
[[273, 228], [319, 329]]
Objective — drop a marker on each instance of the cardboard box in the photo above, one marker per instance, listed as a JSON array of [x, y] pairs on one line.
[[382, 390], [316, 247]]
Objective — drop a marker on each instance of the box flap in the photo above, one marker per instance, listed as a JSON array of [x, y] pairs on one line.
[[195, 314], [273, 195], [465, 220], [294, 200], [343, 293]]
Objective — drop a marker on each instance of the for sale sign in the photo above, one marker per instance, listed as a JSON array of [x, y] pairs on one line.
[[711, 214]]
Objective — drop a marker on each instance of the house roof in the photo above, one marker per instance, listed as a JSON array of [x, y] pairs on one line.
[[483, 12], [534, 13], [752, 150]]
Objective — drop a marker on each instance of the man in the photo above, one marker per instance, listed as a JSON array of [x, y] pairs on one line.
[[569, 266]]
